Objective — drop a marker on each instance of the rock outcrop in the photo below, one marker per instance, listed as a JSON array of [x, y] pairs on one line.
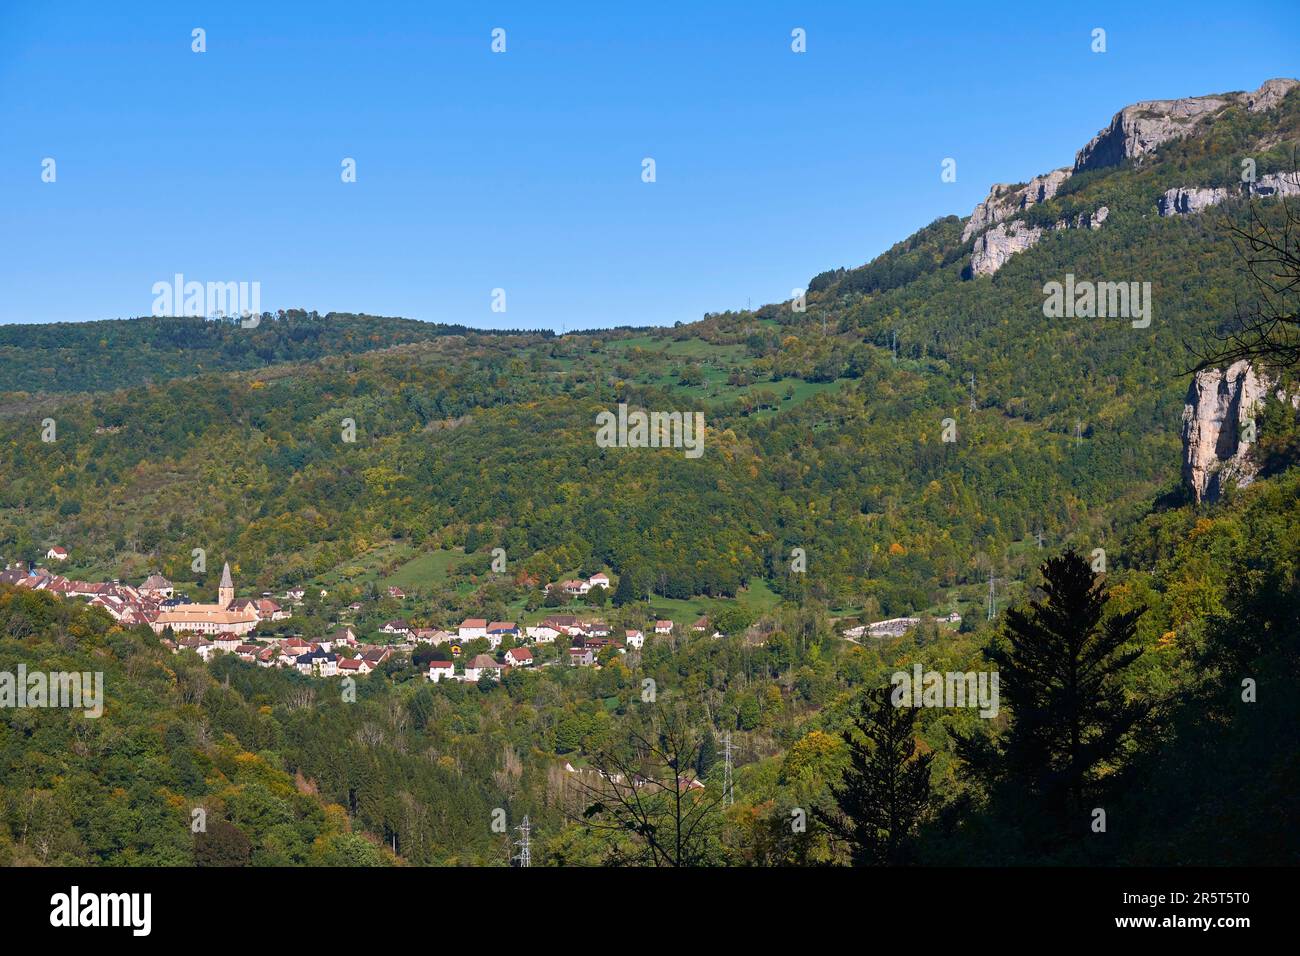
[[1004, 201], [1133, 133], [1269, 94], [1187, 200], [1142, 128], [1215, 449], [997, 245], [1276, 184]]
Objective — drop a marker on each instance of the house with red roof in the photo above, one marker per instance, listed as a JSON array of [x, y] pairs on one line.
[[519, 657], [441, 670], [471, 628], [581, 657]]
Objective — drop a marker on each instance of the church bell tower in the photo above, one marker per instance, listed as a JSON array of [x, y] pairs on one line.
[[226, 590]]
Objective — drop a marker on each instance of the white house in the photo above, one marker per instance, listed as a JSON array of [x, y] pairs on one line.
[[227, 642], [600, 580], [57, 554], [480, 665], [199, 646], [497, 631], [581, 657], [663, 627], [318, 664], [519, 657], [396, 627], [157, 587], [441, 670], [344, 635], [472, 627], [542, 634], [634, 639]]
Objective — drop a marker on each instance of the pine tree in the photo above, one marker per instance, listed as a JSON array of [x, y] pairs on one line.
[[625, 592], [886, 789], [708, 754], [1059, 673]]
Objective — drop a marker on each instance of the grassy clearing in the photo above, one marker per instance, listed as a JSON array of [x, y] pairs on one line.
[[425, 570]]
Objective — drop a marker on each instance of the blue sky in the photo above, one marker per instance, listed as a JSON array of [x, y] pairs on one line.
[[522, 170]]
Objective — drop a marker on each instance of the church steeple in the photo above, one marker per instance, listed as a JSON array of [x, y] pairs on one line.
[[226, 590]]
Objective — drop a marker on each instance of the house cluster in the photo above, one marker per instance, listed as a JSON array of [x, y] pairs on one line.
[[895, 626], [638, 781], [224, 627], [338, 654], [577, 588], [155, 602], [587, 639]]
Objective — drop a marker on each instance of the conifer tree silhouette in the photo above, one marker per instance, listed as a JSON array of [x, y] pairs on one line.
[[886, 789]]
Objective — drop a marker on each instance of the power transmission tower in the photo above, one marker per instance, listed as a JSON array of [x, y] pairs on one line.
[[728, 794], [525, 855], [992, 596], [893, 344], [972, 391]]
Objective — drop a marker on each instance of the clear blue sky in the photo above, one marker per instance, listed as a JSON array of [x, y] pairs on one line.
[[523, 170]]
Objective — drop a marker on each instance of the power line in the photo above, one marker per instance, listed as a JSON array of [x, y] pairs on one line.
[[525, 855], [728, 792]]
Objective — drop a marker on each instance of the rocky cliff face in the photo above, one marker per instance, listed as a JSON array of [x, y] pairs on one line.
[[1143, 127], [997, 245], [1004, 201], [1134, 132], [1215, 448], [1188, 200]]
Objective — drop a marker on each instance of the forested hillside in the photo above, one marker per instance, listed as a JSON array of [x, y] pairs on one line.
[[920, 433], [308, 778], [93, 356]]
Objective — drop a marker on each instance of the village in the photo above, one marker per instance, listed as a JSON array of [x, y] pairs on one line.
[[472, 651], [228, 626]]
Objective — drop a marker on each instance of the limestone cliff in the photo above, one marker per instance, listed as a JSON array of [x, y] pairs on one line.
[[1215, 438], [1187, 200], [1004, 201], [997, 245], [1140, 129], [1133, 133]]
